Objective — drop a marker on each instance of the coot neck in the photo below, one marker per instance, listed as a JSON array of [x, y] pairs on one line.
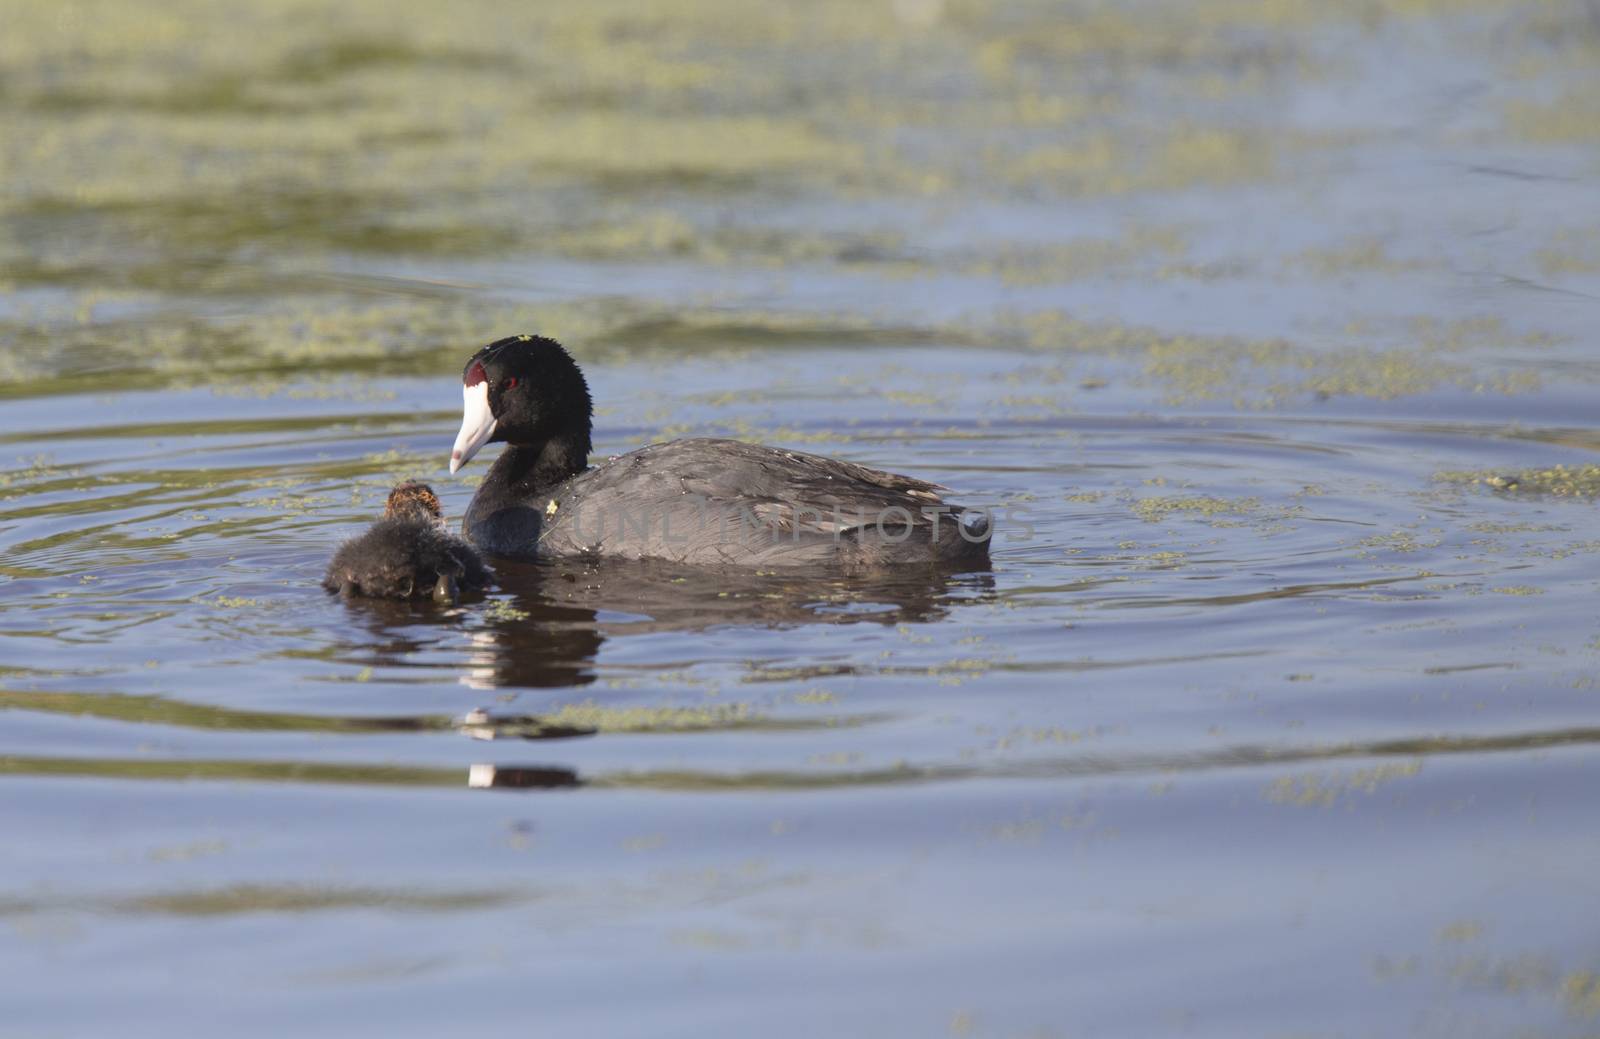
[[534, 468]]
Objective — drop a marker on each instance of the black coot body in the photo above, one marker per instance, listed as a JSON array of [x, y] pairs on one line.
[[408, 554], [702, 502]]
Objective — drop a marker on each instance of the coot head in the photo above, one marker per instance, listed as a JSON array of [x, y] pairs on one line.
[[414, 501], [525, 391]]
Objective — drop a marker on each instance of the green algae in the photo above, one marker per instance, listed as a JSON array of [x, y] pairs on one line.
[[1268, 373], [1138, 249], [141, 167], [1324, 790], [1411, 749], [324, 340], [240, 899], [169, 770], [720, 717], [503, 611], [156, 710], [1461, 931], [1580, 990], [1402, 541], [1155, 510], [1572, 119], [1113, 164], [1365, 255], [236, 602], [687, 96], [1571, 251], [1557, 481]]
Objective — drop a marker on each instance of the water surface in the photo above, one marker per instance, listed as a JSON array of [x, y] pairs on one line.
[[1268, 330]]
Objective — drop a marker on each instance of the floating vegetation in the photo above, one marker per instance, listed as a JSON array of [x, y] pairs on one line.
[[1323, 790], [1359, 256], [711, 717], [241, 899], [1398, 541], [1461, 931], [1560, 481], [238, 602], [1266, 373], [1573, 119], [502, 611], [1154, 510], [655, 719], [141, 170], [1581, 992], [158, 710]]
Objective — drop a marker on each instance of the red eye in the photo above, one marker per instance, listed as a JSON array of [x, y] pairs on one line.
[[511, 383]]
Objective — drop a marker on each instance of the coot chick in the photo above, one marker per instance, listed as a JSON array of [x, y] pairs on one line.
[[408, 554], [702, 502]]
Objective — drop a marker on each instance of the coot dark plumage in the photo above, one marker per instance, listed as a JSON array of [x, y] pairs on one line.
[[698, 501], [408, 554]]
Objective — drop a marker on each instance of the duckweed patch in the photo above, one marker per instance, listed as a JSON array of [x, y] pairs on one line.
[[502, 611], [344, 133], [1155, 510], [1324, 790], [309, 338], [1559, 481], [262, 898], [718, 717], [1404, 541], [1580, 990], [157, 710], [1267, 373], [238, 602], [170, 187]]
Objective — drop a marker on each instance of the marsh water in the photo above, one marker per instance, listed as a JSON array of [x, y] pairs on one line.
[[1269, 332]]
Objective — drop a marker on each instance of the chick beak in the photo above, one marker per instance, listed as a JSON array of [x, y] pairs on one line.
[[477, 424]]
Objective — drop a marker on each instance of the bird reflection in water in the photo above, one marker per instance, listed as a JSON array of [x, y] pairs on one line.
[[545, 628], [524, 641], [521, 777], [559, 612], [634, 597]]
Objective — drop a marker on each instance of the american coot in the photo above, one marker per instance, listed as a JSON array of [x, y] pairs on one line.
[[700, 501], [408, 554]]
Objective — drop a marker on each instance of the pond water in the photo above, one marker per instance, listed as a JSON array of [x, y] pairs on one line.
[[1267, 330]]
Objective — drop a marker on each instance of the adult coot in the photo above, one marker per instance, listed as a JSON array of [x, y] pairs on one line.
[[700, 502], [408, 554]]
